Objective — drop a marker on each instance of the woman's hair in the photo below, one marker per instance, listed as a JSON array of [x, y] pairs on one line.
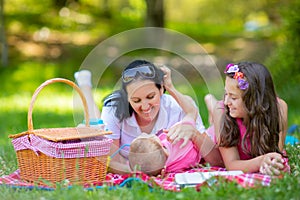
[[263, 121], [119, 98], [147, 156]]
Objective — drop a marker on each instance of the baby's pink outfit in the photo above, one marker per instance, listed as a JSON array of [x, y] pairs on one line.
[[180, 158]]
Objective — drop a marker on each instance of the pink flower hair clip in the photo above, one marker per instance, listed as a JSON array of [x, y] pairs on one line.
[[239, 76]]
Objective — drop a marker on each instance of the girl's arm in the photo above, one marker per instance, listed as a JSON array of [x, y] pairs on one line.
[[209, 151], [230, 155], [270, 163], [283, 110], [232, 160]]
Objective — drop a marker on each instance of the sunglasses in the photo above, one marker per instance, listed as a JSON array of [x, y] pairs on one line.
[[146, 71]]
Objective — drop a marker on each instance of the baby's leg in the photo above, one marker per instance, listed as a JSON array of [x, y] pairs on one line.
[[210, 102], [83, 79]]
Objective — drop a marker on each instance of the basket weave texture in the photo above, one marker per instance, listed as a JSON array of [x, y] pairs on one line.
[[51, 155]]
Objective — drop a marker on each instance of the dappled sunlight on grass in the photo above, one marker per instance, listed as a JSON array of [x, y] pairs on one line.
[[50, 102], [52, 108], [17, 102], [49, 99], [48, 110]]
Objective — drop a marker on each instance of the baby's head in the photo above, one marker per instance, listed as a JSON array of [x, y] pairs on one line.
[[147, 154]]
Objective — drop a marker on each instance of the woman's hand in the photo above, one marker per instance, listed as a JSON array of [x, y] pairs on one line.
[[272, 164]]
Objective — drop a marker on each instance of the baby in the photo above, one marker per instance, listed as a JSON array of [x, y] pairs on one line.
[[151, 154]]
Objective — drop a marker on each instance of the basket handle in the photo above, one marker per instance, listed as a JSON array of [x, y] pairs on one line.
[[50, 81]]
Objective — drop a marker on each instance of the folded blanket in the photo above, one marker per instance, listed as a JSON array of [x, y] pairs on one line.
[[167, 182]]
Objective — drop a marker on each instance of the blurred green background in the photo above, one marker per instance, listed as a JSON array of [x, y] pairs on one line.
[[51, 38]]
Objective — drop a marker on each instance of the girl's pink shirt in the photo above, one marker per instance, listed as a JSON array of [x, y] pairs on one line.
[[242, 128], [243, 155], [180, 158]]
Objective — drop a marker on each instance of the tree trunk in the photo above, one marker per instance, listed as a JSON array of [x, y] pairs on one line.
[[106, 9], [4, 48], [155, 13]]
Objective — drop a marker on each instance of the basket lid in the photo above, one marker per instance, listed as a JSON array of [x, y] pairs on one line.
[[63, 134]]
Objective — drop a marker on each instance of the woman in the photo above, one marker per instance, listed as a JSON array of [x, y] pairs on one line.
[[141, 106]]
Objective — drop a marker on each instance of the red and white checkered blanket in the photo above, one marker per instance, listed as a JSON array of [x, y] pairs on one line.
[[167, 182]]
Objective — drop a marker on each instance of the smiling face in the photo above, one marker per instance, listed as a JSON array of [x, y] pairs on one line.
[[144, 98], [233, 99]]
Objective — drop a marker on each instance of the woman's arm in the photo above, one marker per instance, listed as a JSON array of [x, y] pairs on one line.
[[118, 164]]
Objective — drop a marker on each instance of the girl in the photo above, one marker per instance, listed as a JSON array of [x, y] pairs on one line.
[[250, 124]]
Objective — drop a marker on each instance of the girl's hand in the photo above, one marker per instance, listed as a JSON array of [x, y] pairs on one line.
[[272, 164], [179, 132]]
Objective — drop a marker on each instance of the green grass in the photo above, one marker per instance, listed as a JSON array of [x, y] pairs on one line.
[[54, 108]]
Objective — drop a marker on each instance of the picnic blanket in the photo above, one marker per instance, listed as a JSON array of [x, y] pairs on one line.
[[167, 182]]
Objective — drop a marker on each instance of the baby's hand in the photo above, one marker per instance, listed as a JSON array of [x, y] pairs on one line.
[[167, 77], [272, 164]]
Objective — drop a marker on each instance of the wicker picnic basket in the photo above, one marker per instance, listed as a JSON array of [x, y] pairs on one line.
[[52, 155]]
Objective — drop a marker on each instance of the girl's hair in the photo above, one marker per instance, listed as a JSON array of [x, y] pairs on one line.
[[263, 121], [147, 156], [119, 98]]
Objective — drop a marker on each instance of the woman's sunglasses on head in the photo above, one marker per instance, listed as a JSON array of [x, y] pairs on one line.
[[146, 71]]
